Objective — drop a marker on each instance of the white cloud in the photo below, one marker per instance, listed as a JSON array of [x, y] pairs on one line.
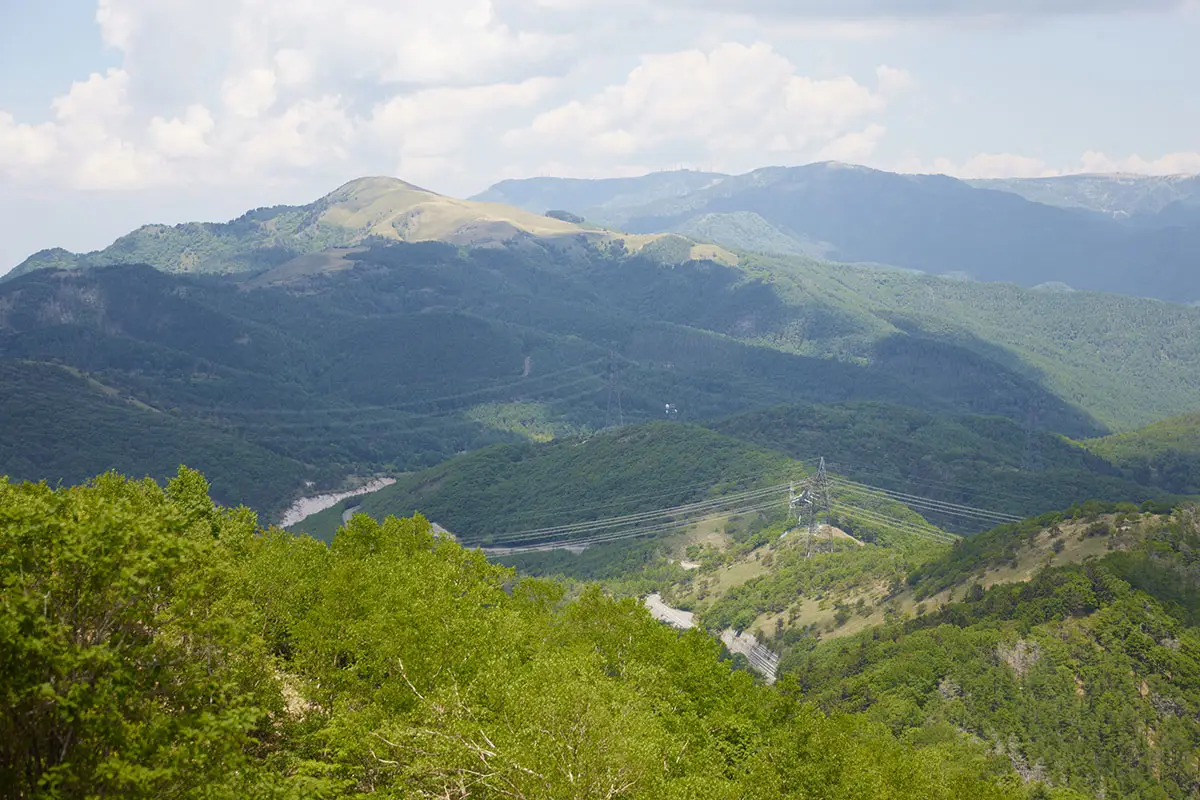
[[308, 134], [855, 147], [1170, 164], [117, 22], [117, 164], [393, 41], [900, 9], [182, 137], [249, 94], [461, 92], [725, 107], [439, 134], [892, 79], [99, 98], [1009, 165], [25, 147], [984, 165], [294, 67]]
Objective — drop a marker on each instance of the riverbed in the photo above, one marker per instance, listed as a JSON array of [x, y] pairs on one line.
[[305, 507]]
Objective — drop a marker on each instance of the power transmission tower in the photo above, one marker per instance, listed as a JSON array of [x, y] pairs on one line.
[[812, 506], [614, 392]]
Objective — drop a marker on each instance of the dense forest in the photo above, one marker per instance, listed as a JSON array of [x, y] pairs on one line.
[[1085, 676], [153, 644], [399, 356], [984, 461]]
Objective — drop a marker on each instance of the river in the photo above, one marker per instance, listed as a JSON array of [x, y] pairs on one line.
[[305, 507]]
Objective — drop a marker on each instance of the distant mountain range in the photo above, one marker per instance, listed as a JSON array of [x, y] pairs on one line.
[[374, 209], [1128, 196], [1117, 233], [1132, 235]]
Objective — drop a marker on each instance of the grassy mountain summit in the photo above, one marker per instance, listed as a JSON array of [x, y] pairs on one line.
[[368, 209]]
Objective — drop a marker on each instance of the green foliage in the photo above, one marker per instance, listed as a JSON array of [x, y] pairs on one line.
[[1166, 453], [793, 577], [63, 428], [126, 668], [986, 462], [483, 495], [1107, 645], [403, 355], [532, 421], [154, 645], [1002, 544]]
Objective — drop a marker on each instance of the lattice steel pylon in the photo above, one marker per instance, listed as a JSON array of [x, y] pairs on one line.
[[812, 506]]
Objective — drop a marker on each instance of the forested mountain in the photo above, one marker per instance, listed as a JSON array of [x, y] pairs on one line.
[[362, 211], [1166, 453], [1085, 676], [932, 223], [601, 199], [391, 357], [154, 645], [979, 461], [1143, 197]]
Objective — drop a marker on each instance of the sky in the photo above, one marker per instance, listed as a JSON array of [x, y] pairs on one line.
[[119, 113]]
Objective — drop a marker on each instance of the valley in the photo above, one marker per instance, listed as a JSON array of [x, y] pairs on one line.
[[535, 441], [565, 400]]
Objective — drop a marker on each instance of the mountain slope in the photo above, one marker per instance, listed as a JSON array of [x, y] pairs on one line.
[[64, 428], [596, 199], [984, 462], [1120, 195], [930, 223], [376, 208], [390, 358], [508, 488], [1166, 453], [170, 648], [1109, 644]]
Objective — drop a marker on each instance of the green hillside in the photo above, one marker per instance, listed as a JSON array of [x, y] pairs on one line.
[[985, 462], [482, 495], [1108, 645], [62, 428], [363, 210], [391, 358], [168, 647], [1166, 453], [1126, 360]]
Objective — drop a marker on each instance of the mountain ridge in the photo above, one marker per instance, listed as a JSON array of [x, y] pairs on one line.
[[932, 223], [366, 209]]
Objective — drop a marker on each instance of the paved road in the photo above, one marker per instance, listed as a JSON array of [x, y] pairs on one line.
[[762, 660], [674, 617]]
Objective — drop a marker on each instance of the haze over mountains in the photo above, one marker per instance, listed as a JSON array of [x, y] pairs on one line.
[[384, 327], [366, 209], [533, 379], [1131, 235]]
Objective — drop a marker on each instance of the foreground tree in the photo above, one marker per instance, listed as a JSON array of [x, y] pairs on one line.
[[154, 645]]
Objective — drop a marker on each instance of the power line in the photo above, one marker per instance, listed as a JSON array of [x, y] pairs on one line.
[[543, 394], [410, 404], [632, 533], [902, 526], [627, 519], [930, 504]]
